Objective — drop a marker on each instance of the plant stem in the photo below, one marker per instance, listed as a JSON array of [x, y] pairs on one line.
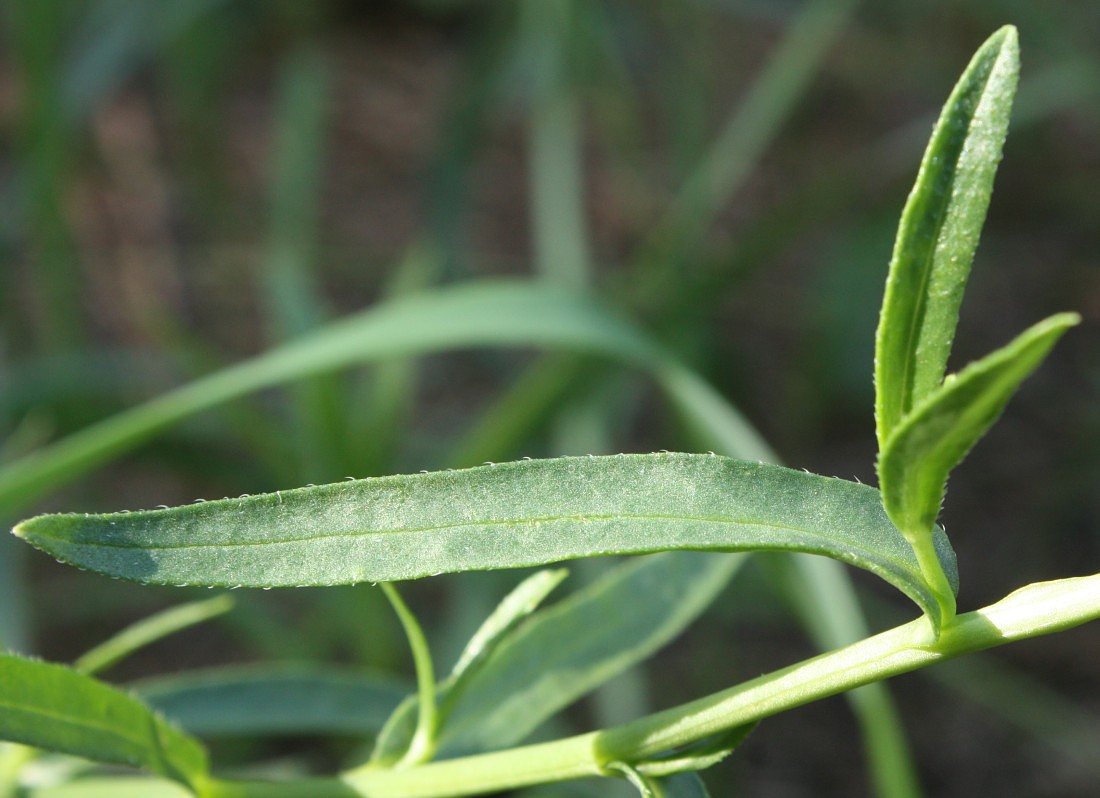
[[1037, 609], [932, 570], [422, 745]]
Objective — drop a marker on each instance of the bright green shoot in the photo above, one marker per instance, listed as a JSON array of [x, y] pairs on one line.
[[925, 423], [696, 515]]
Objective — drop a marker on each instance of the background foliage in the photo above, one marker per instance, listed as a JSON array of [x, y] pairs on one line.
[[183, 188]]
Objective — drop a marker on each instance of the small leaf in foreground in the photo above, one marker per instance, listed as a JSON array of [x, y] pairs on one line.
[[57, 709], [934, 438]]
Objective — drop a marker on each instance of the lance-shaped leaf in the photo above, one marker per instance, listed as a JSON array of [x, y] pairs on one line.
[[58, 709], [496, 516], [939, 232], [937, 435]]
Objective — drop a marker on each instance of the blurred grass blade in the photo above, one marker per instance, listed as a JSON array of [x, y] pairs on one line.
[[746, 133], [710, 417], [149, 630], [825, 601], [111, 42], [57, 709], [111, 787], [484, 313], [293, 304], [504, 516], [274, 700], [546, 42], [939, 232], [938, 433], [516, 606]]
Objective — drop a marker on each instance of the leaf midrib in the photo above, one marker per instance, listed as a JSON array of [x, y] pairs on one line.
[[845, 542]]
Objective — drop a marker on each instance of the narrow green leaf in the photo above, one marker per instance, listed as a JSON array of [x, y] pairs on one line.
[[504, 516], [939, 232], [698, 757], [511, 313], [565, 651], [55, 708], [397, 735], [267, 700], [517, 605], [149, 630], [937, 435]]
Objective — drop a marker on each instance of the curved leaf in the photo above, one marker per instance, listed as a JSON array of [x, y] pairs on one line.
[[58, 709], [565, 651], [149, 630], [504, 516], [483, 313], [937, 435], [939, 231], [295, 699]]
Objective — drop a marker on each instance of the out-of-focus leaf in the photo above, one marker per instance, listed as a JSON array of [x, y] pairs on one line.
[[149, 630], [58, 709], [298, 699], [117, 787], [513, 313]]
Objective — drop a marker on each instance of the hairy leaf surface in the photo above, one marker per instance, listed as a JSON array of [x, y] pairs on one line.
[[937, 435], [494, 516], [58, 709], [939, 232]]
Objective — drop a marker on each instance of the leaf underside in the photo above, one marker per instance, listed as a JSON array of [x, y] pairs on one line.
[[495, 516]]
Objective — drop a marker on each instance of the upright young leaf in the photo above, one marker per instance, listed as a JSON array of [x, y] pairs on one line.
[[937, 435], [58, 709], [939, 232], [497, 516]]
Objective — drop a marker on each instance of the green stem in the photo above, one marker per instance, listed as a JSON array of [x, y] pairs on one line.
[[932, 570], [1037, 609], [422, 745]]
